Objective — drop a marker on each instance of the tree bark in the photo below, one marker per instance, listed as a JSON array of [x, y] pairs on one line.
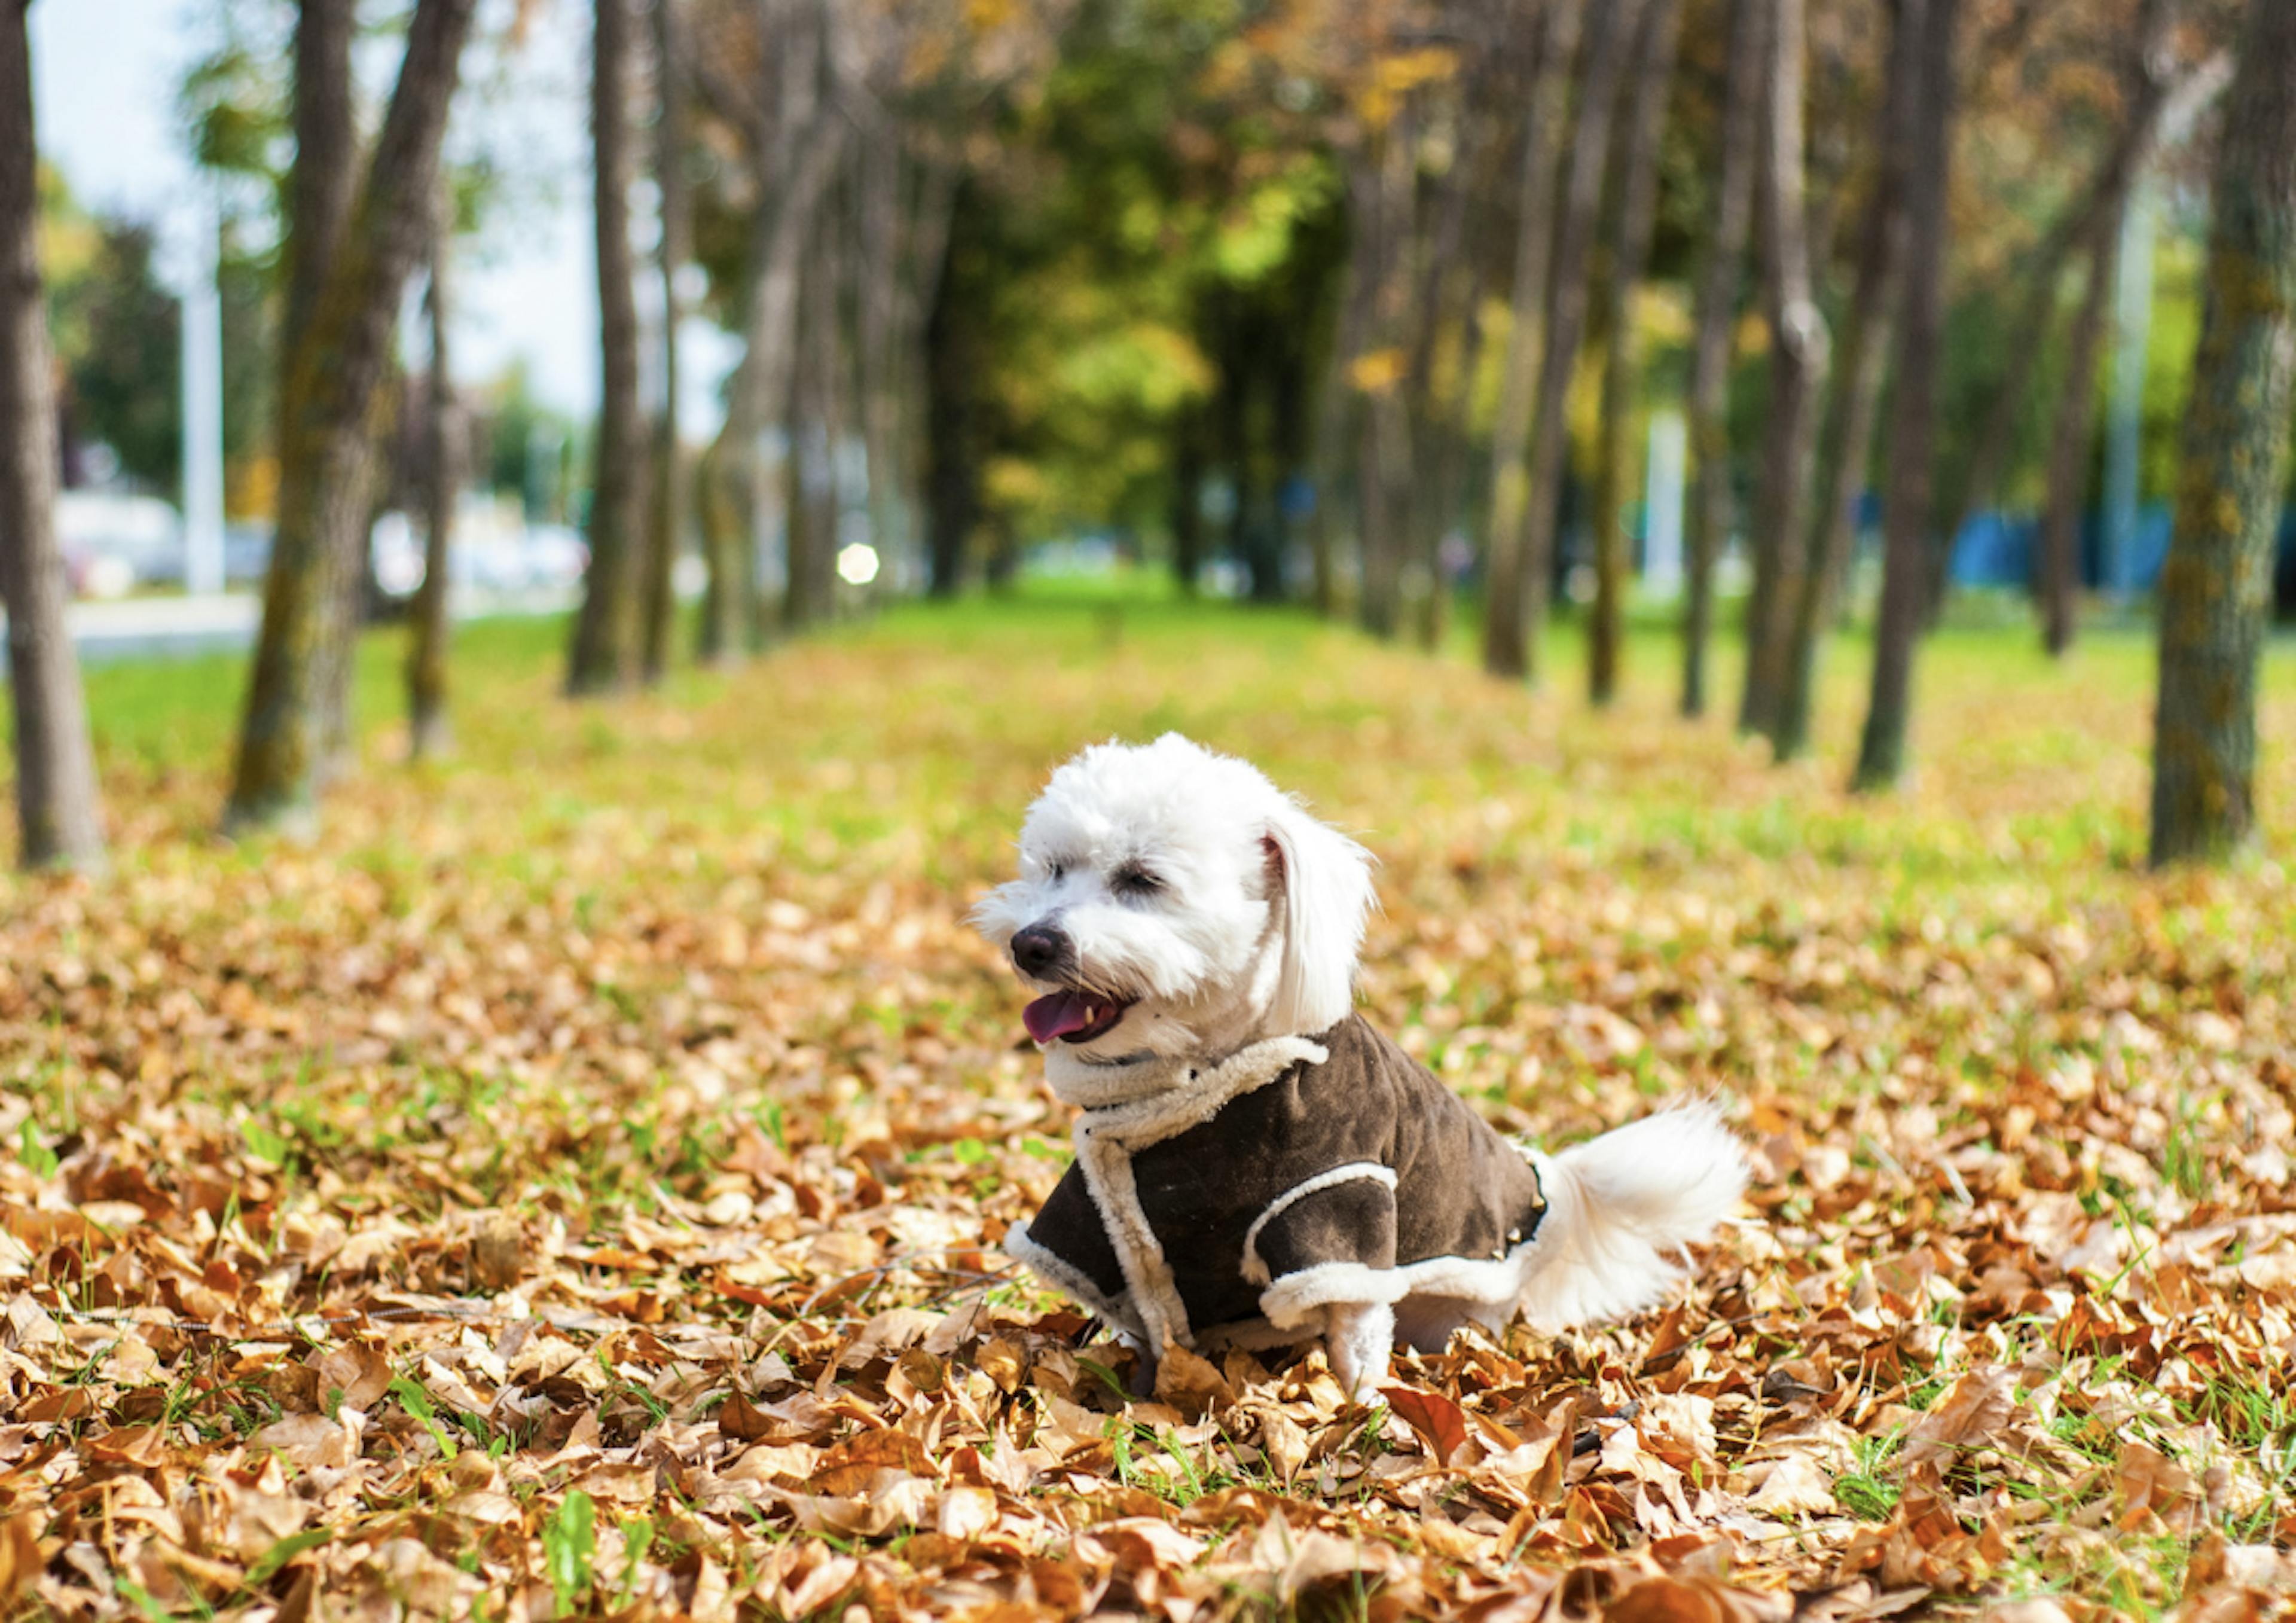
[[1709, 517], [1608, 45], [2216, 591], [324, 183], [322, 188], [878, 340], [1340, 404], [1187, 508], [325, 405], [428, 734], [1505, 642], [604, 654], [794, 153], [2059, 563], [2147, 90], [1383, 448], [952, 414], [666, 510], [1907, 505], [1798, 356], [60, 817], [1637, 171], [816, 423], [1847, 438]]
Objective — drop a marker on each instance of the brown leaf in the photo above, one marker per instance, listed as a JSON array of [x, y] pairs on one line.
[[1441, 1423], [1970, 1415]]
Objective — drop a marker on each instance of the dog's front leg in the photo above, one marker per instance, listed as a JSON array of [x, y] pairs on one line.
[[1145, 1364], [1358, 1338]]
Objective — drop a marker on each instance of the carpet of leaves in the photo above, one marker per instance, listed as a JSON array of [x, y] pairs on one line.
[[574, 1186]]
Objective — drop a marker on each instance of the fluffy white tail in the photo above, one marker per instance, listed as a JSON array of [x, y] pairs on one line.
[[1619, 1206]]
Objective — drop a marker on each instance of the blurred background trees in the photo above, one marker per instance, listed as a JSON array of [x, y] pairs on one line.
[[1444, 317]]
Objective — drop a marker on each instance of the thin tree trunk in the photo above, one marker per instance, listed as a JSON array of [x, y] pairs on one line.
[[326, 406], [1441, 271], [1908, 509], [1505, 643], [1187, 509], [666, 510], [427, 734], [952, 417], [1608, 45], [322, 188], [2216, 591], [2069, 447], [604, 654], [793, 156], [1637, 213], [1383, 454], [817, 420], [1340, 402], [877, 268], [1799, 354], [2147, 91], [323, 183], [59, 815], [1847, 436], [1710, 373]]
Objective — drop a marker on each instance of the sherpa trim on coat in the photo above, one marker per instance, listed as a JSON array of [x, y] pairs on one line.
[[1234, 1203]]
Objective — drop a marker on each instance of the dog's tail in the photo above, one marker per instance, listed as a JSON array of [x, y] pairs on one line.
[[1620, 1206]]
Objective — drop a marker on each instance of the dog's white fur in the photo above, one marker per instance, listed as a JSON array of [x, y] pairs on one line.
[[1194, 890]]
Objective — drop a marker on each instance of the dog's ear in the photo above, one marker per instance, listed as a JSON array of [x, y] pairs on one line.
[[1321, 880]]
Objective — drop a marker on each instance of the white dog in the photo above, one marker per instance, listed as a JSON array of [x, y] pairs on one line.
[[1255, 1165]]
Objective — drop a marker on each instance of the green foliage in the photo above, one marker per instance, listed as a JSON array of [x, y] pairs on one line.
[[117, 334], [570, 1542]]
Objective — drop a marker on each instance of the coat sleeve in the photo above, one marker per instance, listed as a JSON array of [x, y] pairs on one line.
[[1066, 1245], [1330, 1239]]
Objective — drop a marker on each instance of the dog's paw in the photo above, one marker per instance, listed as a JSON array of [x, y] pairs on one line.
[[1358, 1339]]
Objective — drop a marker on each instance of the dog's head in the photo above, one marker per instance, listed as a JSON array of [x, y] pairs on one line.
[[1173, 901]]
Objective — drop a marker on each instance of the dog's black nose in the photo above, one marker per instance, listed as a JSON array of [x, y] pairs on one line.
[[1041, 951]]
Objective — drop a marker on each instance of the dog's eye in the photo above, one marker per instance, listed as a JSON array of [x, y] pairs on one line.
[[1060, 871], [1133, 880]]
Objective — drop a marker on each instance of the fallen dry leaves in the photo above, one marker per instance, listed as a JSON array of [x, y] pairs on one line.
[[575, 1187]]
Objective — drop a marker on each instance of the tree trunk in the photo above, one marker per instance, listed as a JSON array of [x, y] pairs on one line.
[[1383, 451], [1340, 402], [2216, 591], [326, 402], [2146, 93], [1847, 436], [879, 349], [323, 183], [793, 155], [1907, 507], [2069, 447], [1637, 171], [816, 418], [666, 510], [1187, 509], [1506, 651], [427, 735], [322, 188], [1798, 367], [952, 415], [604, 654], [1709, 517], [1445, 275], [1608, 45], [59, 818]]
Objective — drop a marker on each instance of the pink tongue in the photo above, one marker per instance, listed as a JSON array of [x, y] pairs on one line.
[[1056, 1016]]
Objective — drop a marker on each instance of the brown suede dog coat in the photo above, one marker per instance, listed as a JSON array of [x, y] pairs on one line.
[[1231, 1205]]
